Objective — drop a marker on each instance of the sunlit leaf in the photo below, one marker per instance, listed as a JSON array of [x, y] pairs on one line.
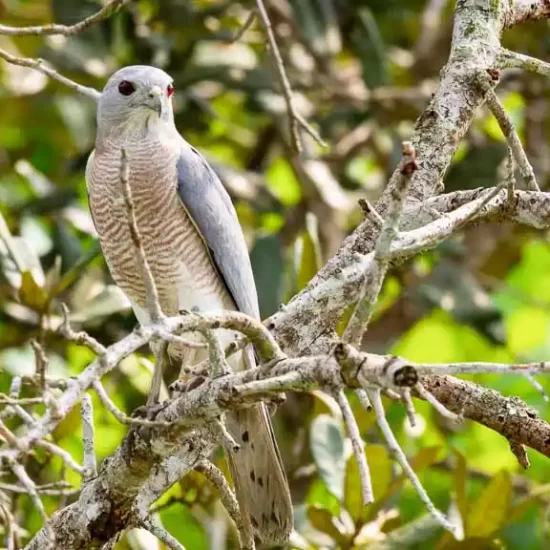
[[179, 521], [490, 510], [422, 460], [324, 521], [281, 179], [380, 466], [460, 478], [319, 495], [31, 294]]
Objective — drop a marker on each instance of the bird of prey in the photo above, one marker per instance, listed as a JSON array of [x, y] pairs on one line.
[[196, 251]]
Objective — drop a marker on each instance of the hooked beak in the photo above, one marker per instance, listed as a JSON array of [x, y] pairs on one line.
[[154, 100]]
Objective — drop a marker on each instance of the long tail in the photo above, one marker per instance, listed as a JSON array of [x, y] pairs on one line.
[[257, 470]]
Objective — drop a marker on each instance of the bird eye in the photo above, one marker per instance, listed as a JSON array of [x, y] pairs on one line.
[[126, 88], [170, 90]]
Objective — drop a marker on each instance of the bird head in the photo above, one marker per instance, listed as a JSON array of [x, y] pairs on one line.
[[136, 96]]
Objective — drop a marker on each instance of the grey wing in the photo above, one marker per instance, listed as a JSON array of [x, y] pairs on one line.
[[208, 203]]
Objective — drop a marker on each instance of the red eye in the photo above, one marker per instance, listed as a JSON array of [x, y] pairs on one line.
[[170, 90], [126, 88]]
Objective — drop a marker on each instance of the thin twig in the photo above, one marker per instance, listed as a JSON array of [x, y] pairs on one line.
[[480, 367], [363, 399], [223, 435], [121, 416], [399, 455], [441, 409], [81, 337], [65, 456], [296, 119], [87, 413], [372, 283], [155, 528], [29, 485], [42, 362], [246, 25], [536, 384], [409, 407], [152, 301], [514, 60], [168, 337], [160, 349], [520, 452], [49, 489], [510, 133], [510, 175], [39, 65], [66, 30], [8, 435], [371, 213], [216, 355], [229, 500], [357, 445]]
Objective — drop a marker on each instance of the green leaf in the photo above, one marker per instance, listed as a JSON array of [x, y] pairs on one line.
[[308, 252], [424, 458], [281, 179], [490, 510], [268, 267], [327, 523], [319, 495], [179, 521], [327, 448], [370, 45], [30, 294], [380, 468], [460, 478]]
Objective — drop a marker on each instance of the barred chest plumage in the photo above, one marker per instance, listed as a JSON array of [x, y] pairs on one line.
[[178, 258]]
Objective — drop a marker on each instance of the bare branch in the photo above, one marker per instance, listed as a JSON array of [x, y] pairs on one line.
[[218, 363], [40, 65], [119, 415], [371, 213], [296, 119], [152, 302], [357, 445], [509, 131], [42, 362], [66, 30], [421, 391], [87, 414], [246, 25], [374, 278], [229, 500], [155, 528], [30, 487], [82, 338], [521, 11], [399, 455], [409, 407], [513, 60]]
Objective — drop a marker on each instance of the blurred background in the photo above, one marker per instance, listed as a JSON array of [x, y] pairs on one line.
[[362, 71]]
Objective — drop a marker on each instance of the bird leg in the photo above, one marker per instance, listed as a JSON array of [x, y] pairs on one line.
[[159, 349]]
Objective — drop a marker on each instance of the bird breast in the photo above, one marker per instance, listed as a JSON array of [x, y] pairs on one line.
[[176, 253]]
